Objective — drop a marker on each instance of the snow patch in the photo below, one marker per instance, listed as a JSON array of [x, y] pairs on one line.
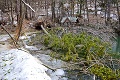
[[29, 47], [20, 65], [57, 75], [66, 5], [2, 38]]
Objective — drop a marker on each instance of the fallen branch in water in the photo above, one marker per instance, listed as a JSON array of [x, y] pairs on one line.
[[45, 31]]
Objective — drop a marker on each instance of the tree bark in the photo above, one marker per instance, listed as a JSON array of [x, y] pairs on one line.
[[108, 12], [118, 14], [12, 19], [19, 27], [86, 6], [53, 10]]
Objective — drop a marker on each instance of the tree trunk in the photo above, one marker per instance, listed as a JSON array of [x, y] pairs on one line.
[[53, 10], [108, 12], [19, 27], [26, 10], [17, 10], [86, 6], [80, 8], [118, 14], [62, 9], [95, 7], [72, 4], [46, 7], [12, 19]]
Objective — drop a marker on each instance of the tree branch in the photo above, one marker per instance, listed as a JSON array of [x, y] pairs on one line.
[[15, 43], [28, 6], [45, 31]]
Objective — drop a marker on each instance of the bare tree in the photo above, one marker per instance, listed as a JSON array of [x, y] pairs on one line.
[[108, 11], [19, 27], [118, 14], [86, 6], [12, 19], [53, 10]]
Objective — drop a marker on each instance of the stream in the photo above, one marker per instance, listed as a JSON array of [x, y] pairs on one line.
[[116, 46], [70, 71]]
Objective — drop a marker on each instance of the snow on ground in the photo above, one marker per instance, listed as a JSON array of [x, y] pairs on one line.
[[4, 37], [4, 46], [28, 39], [57, 75], [31, 47], [20, 65]]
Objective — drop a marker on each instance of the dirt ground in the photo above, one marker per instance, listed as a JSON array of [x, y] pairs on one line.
[[25, 28]]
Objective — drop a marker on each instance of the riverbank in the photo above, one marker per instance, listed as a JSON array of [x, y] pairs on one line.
[[20, 63]]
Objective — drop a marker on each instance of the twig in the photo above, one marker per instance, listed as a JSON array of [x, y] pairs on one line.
[[49, 67], [112, 63]]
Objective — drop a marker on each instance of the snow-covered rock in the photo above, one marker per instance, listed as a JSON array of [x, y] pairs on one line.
[[15, 23], [29, 47], [98, 12], [20, 65], [59, 72], [57, 75]]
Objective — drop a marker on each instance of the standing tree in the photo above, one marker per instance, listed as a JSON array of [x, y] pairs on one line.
[[86, 6], [12, 19], [53, 10], [117, 6], [19, 26], [72, 7], [108, 5], [26, 10]]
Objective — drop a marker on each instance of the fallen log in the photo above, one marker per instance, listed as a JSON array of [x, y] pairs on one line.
[[45, 31]]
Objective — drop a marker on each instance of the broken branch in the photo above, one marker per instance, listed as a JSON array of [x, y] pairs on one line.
[[28, 5], [45, 31]]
